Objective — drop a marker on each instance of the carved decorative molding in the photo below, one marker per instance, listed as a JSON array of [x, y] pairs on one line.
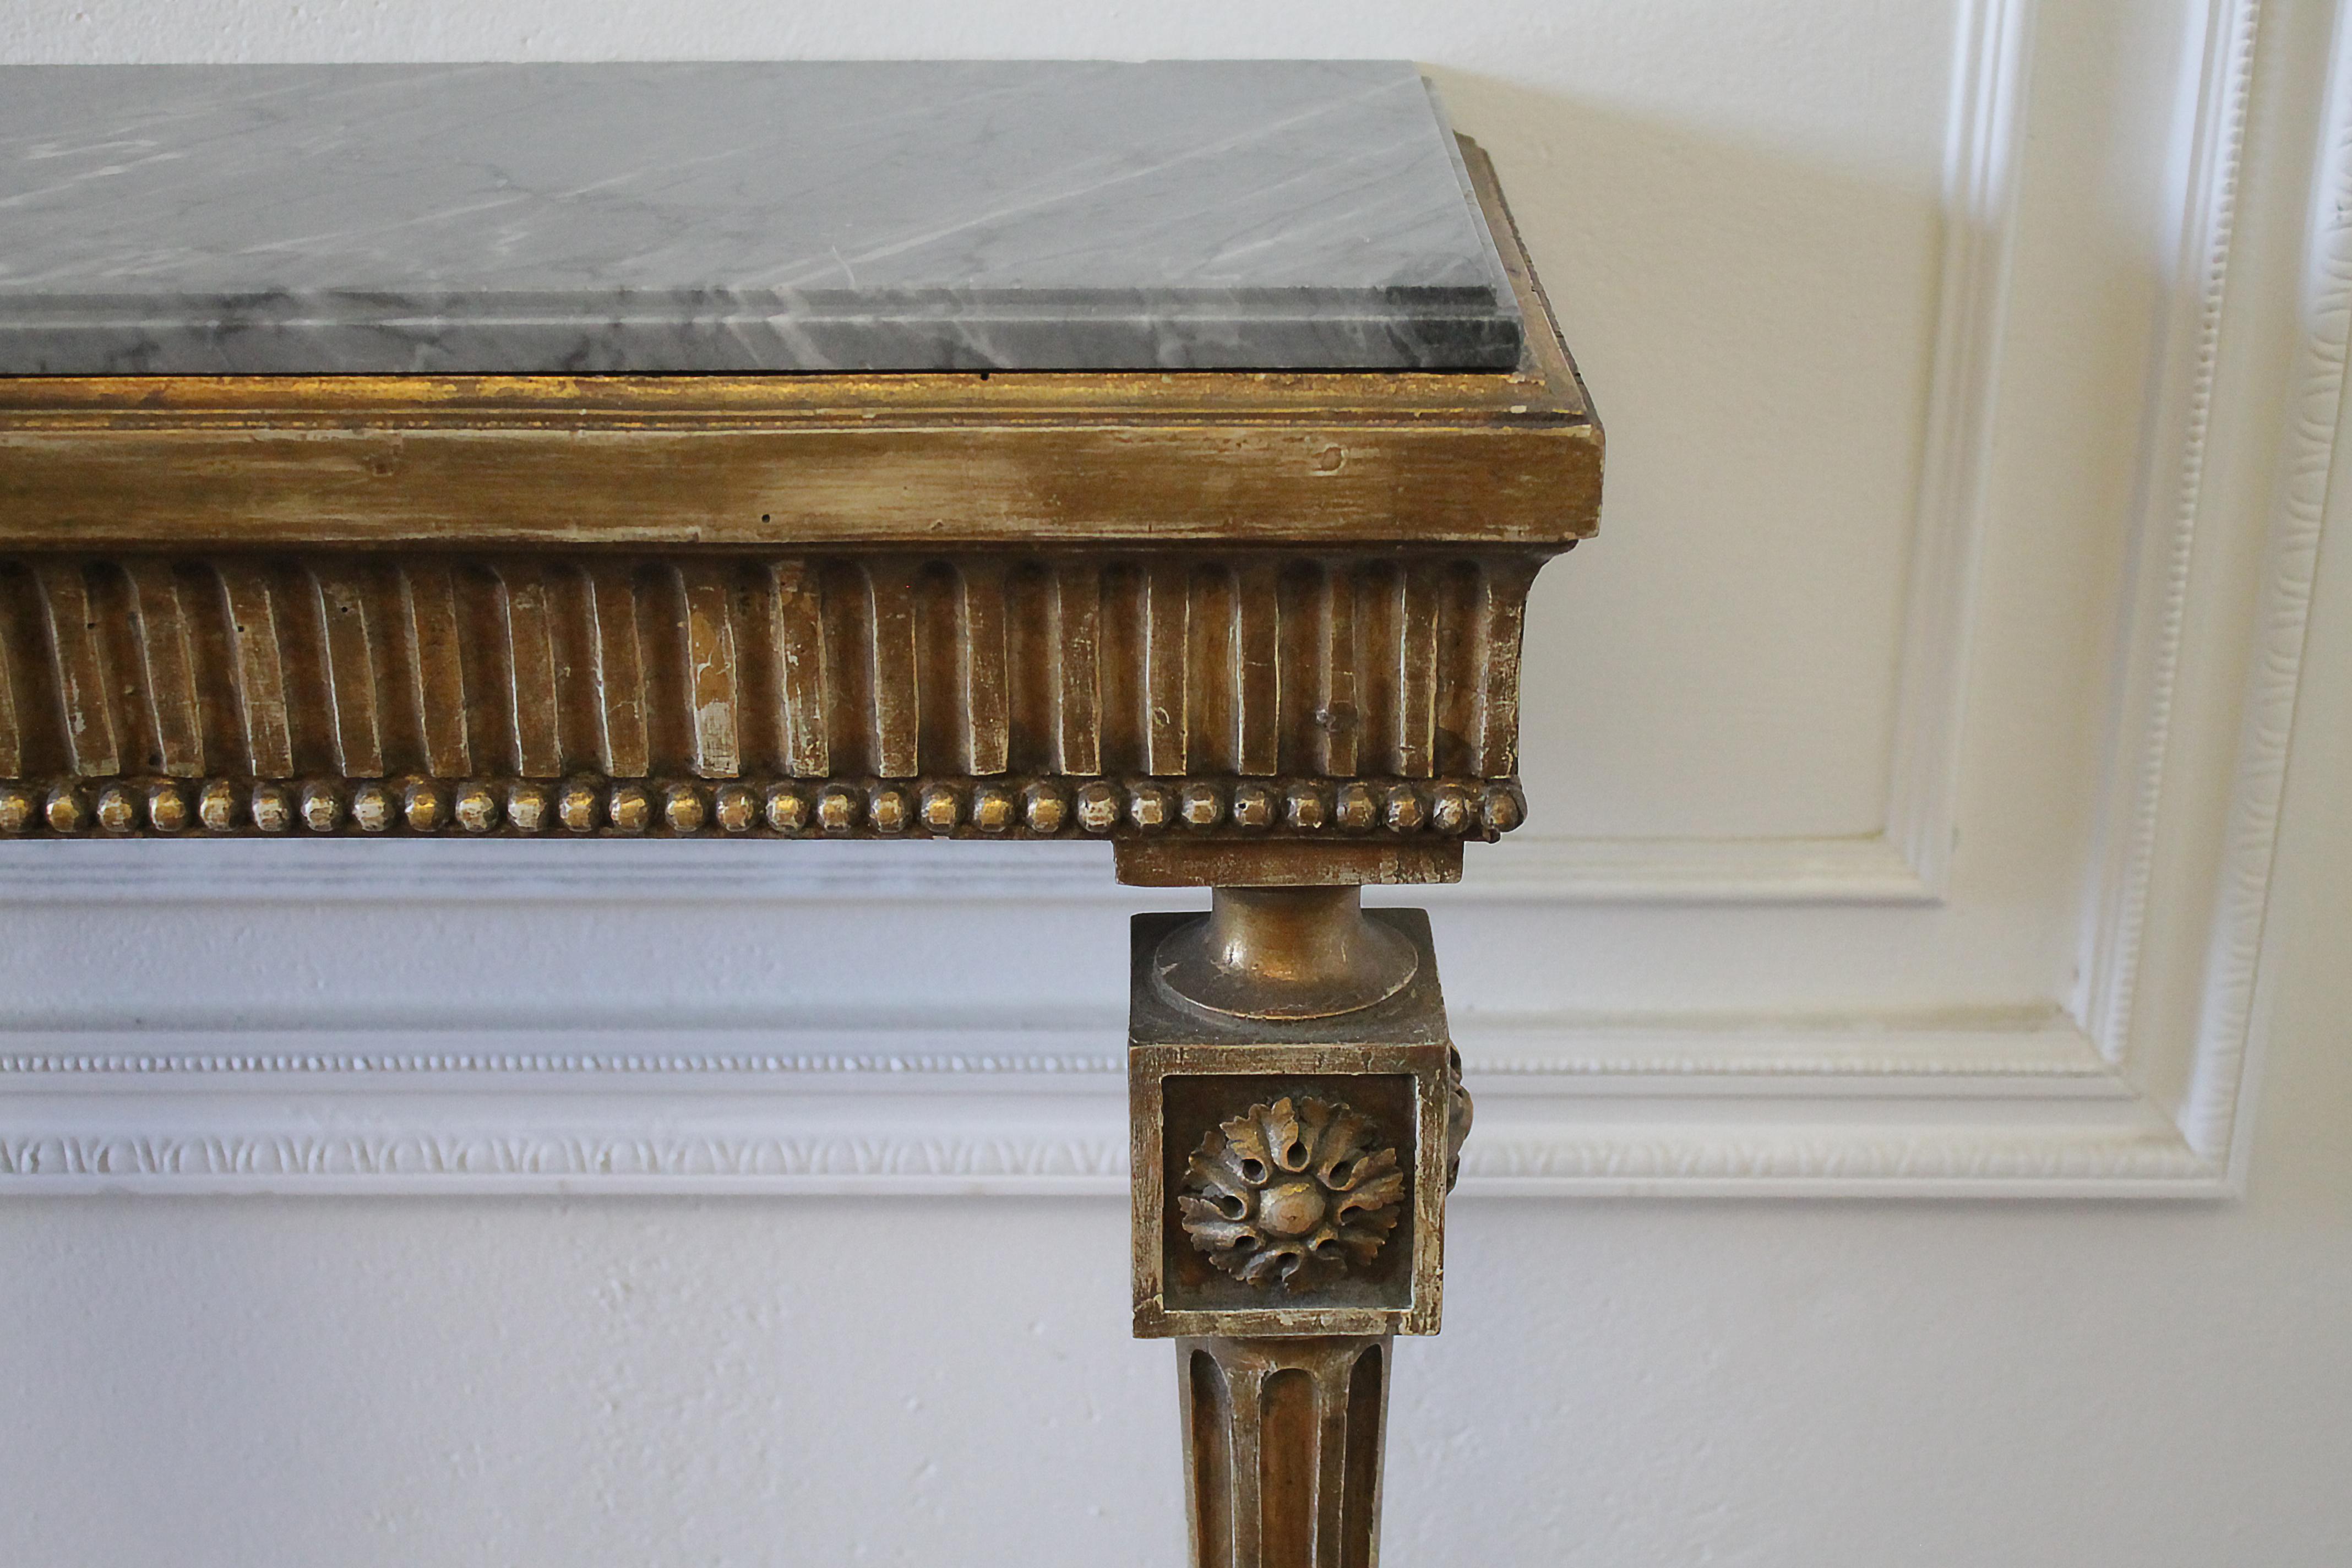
[[851, 695], [1972, 1162], [2175, 501], [957, 807], [1032, 605], [1565, 1109]]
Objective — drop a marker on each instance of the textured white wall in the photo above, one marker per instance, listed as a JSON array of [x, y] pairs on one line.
[[1844, 1385], [292, 1383]]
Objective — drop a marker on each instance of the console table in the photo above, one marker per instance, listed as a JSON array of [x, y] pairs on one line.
[[1156, 453]]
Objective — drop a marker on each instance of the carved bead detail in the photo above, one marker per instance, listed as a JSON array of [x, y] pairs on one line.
[[1306, 806], [1150, 805], [631, 809], [322, 809], [576, 806], [942, 808], [1503, 807], [837, 810], [737, 809], [1043, 807], [992, 808], [216, 805], [1402, 810], [527, 807], [998, 806], [372, 807], [117, 808], [477, 809], [888, 810], [787, 809], [273, 808], [167, 808], [1098, 805], [423, 803], [1291, 1194], [1450, 810], [682, 808], [65, 810]]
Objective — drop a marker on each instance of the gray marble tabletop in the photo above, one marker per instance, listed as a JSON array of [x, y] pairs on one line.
[[812, 216]]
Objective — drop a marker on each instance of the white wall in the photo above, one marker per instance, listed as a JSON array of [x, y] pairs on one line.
[[1745, 217]]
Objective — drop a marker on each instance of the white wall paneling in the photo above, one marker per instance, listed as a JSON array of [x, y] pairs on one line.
[[2093, 510]]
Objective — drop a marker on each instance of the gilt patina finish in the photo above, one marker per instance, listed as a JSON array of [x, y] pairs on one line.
[[1223, 606], [1293, 1192], [1294, 1137], [1260, 631], [1282, 1443]]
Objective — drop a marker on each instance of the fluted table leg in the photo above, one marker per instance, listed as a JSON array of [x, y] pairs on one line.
[[1297, 1110], [1282, 1449]]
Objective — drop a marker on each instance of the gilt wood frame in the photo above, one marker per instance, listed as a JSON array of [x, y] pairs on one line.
[[1033, 604]]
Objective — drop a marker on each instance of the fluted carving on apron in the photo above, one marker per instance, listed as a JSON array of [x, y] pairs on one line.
[[1247, 693]]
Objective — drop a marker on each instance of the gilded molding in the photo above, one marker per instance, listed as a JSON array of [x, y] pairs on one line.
[[1212, 810], [1244, 605], [874, 694]]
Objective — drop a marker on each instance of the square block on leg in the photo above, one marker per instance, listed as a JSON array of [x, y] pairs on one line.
[[1289, 1177]]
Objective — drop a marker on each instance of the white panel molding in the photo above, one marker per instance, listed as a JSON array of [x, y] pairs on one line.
[[2313, 486], [2172, 503], [1992, 1105], [1988, 115], [2238, 554], [1862, 870], [2112, 1096]]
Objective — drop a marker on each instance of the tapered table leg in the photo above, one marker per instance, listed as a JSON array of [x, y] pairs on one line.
[[1282, 1449], [1297, 1111]]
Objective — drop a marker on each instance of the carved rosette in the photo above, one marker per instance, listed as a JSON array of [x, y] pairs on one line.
[[1291, 1193], [1460, 1111]]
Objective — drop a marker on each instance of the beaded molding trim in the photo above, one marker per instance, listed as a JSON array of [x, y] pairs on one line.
[[1047, 807]]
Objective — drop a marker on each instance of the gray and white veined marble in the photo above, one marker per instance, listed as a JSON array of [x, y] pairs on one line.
[[683, 217]]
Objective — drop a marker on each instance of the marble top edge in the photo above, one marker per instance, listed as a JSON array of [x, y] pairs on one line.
[[796, 216], [634, 303]]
